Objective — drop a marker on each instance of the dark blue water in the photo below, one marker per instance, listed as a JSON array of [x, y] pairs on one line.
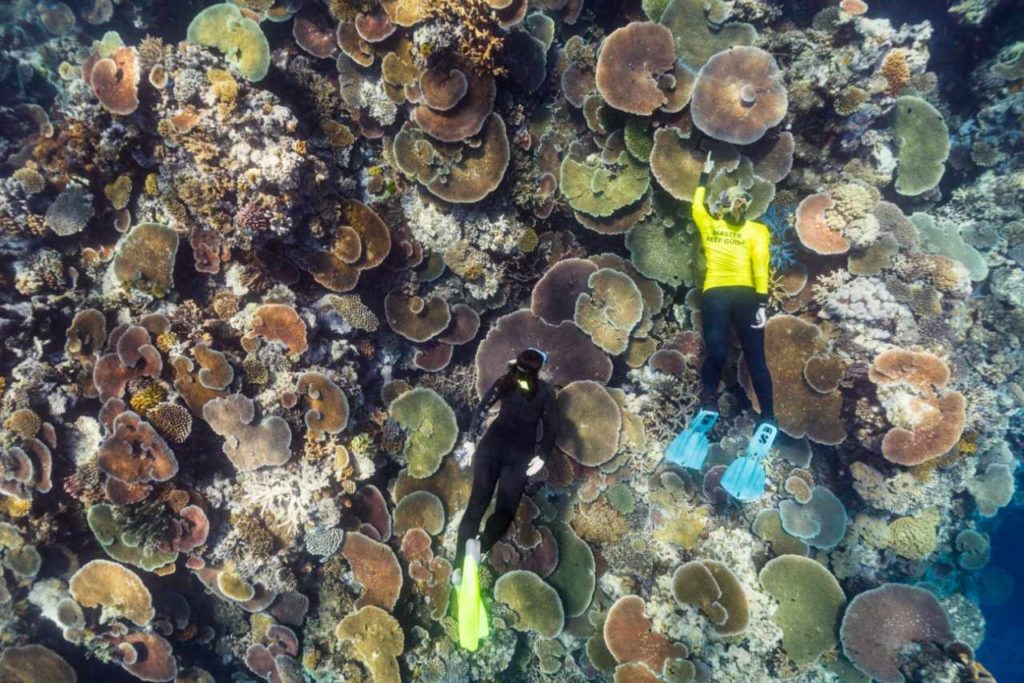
[[1002, 651]]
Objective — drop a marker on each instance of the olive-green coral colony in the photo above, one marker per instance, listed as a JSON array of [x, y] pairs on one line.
[[262, 261]]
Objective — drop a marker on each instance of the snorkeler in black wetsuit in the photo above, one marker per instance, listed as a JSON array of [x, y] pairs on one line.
[[509, 452]]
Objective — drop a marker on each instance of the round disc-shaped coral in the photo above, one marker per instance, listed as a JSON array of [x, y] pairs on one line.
[[34, 664], [739, 95], [535, 603], [101, 583], [810, 602], [431, 429], [224, 27], [590, 425], [632, 59], [881, 623]]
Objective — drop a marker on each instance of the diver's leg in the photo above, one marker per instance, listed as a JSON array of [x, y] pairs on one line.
[[715, 318], [752, 341], [511, 484], [486, 469]]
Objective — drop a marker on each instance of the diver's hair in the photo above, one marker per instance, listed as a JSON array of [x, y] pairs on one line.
[[526, 366]]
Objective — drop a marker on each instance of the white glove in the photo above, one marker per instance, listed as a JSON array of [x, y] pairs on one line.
[[534, 466], [761, 318], [709, 165], [464, 453]]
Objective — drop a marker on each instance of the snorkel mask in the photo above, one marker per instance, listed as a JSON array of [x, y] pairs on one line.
[[733, 204], [524, 382]]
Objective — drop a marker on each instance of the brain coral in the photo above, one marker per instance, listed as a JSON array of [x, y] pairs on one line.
[[739, 95], [224, 27], [883, 622], [924, 145], [632, 60], [810, 602]]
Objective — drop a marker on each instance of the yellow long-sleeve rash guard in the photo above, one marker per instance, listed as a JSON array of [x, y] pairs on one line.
[[736, 255]]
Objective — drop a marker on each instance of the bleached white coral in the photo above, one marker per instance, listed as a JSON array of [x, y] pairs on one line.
[[292, 497], [372, 96], [863, 299], [435, 229]]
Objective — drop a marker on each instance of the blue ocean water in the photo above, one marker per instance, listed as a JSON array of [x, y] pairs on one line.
[[1001, 652]]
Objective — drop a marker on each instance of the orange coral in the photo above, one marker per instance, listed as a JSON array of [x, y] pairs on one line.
[[896, 71]]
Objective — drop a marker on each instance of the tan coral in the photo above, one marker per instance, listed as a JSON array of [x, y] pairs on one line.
[[101, 583]]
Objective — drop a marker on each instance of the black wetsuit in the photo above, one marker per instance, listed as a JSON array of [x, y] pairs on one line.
[[721, 309], [502, 456]]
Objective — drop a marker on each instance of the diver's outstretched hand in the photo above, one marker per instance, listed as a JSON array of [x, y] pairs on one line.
[[760, 318], [709, 165], [534, 466], [464, 452]]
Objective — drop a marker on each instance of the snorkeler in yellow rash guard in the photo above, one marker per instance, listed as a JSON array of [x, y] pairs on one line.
[[735, 293]]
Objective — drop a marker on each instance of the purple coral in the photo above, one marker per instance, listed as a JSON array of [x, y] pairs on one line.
[[883, 625]]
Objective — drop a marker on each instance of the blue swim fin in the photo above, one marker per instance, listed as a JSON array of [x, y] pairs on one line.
[[690, 448], [473, 623], [744, 478]]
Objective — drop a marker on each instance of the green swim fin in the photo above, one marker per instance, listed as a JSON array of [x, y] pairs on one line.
[[473, 623]]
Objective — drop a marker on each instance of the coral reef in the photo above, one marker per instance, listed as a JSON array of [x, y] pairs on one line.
[[260, 260]]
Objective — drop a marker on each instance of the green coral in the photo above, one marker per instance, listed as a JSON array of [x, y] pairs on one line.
[[224, 27], [924, 145], [944, 238], [600, 189], [621, 497], [110, 43], [810, 603], [726, 182], [663, 251], [574, 577], [654, 8], [535, 603], [768, 527], [431, 429], [1010, 62], [638, 139], [914, 538], [696, 42], [108, 525]]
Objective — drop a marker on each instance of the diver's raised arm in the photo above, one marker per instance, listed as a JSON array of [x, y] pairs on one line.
[[700, 212]]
